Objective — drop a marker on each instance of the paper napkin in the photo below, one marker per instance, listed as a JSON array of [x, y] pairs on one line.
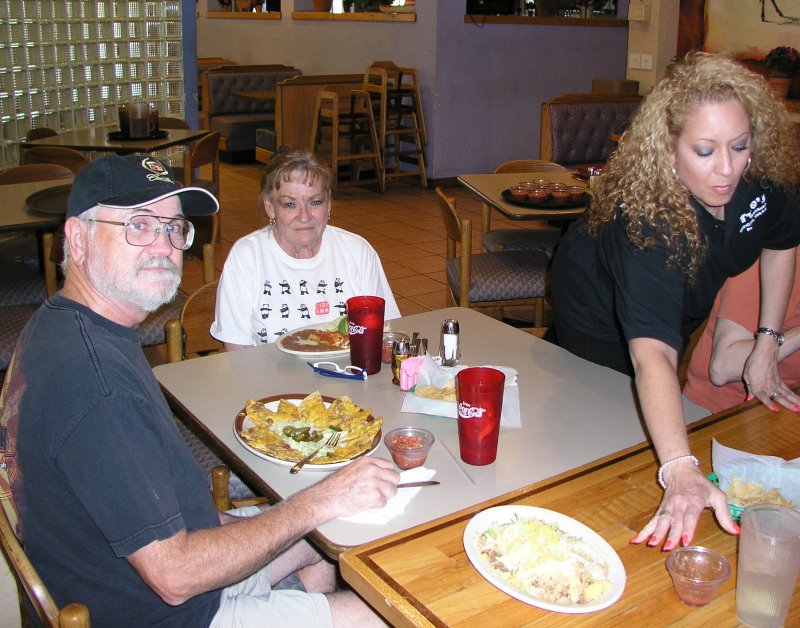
[[769, 471], [431, 374], [397, 504]]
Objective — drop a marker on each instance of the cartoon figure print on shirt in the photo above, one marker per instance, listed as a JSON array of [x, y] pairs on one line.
[[296, 301]]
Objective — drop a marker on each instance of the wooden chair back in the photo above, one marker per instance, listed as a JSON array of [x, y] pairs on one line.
[[28, 580], [220, 491], [72, 159], [34, 172], [189, 336], [203, 151], [169, 122], [42, 131], [459, 232]]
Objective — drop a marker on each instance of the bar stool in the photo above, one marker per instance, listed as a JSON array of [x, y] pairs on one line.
[[399, 128], [345, 115]]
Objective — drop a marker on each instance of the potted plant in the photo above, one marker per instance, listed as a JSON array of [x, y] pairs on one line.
[[783, 62]]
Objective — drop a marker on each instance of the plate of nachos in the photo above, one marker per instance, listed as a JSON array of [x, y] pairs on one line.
[[325, 340], [286, 428], [544, 558]]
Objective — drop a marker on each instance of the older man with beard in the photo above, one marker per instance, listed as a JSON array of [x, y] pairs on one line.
[[114, 511]]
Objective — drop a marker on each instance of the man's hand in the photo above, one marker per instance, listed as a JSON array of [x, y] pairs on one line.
[[364, 483]]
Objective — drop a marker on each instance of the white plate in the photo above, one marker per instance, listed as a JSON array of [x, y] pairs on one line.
[[242, 421], [313, 354], [502, 514]]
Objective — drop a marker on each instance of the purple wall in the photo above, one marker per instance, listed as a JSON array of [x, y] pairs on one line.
[[489, 84]]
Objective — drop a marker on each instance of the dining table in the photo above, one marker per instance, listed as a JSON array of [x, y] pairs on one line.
[[490, 188], [97, 139], [17, 215], [571, 412], [423, 576]]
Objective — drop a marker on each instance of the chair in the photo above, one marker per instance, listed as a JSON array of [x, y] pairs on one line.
[[404, 91], [203, 151], [490, 279], [541, 238], [72, 159], [220, 491], [42, 131], [188, 337], [29, 582], [348, 114], [168, 122], [400, 132], [34, 172]]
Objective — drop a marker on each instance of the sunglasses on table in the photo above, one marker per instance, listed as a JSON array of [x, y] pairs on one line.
[[331, 369]]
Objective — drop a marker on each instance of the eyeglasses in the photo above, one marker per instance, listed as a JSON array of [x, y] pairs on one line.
[[143, 230], [331, 369]]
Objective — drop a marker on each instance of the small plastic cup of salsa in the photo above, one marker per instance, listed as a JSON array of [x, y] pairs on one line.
[[519, 192], [409, 446]]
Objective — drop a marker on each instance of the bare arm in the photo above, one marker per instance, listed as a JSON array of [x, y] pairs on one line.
[[761, 367], [732, 345], [190, 563], [688, 491], [229, 346]]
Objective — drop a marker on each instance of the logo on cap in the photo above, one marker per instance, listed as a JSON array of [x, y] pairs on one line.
[[157, 170]]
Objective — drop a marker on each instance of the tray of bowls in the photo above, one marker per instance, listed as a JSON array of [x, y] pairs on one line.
[[543, 194]]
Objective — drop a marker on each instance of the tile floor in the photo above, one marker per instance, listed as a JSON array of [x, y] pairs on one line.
[[403, 225]]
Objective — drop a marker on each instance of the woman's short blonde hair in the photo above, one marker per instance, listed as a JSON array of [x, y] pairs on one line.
[[295, 163], [639, 180]]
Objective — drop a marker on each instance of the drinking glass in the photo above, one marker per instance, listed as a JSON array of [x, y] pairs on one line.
[[479, 392], [365, 327], [769, 555]]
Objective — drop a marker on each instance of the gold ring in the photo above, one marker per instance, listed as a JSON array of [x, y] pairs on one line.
[[665, 513]]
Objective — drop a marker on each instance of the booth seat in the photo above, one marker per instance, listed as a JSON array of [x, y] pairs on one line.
[[236, 117], [577, 129]]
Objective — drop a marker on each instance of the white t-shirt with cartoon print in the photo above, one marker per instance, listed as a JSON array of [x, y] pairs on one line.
[[264, 292]]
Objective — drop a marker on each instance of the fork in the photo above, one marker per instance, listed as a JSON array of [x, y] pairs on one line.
[[332, 441]]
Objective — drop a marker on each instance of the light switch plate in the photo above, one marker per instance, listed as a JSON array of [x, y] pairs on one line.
[[646, 62], [635, 61]]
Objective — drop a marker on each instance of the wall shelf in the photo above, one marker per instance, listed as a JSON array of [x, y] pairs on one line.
[[355, 17], [242, 15], [545, 21]]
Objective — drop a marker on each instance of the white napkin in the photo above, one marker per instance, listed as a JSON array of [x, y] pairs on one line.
[[431, 374], [769, 471], [397, 504]]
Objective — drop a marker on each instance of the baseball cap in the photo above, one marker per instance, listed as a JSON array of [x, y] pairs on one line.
[[131, 181]]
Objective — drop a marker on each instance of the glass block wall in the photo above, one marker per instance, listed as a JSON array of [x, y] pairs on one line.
[[66, 64]]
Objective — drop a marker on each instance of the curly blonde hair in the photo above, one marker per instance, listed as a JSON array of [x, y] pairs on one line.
[[639, 178], [289, 161]]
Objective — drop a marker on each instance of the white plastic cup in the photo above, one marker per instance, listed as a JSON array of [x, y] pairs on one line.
[[769, 557]]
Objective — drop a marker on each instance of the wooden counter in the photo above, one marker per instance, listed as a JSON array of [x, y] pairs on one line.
[[422, 577]]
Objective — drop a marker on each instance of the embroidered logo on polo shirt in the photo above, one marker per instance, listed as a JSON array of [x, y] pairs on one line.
[[757, 207]]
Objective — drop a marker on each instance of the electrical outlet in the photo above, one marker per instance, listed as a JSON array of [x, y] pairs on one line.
[[635, 61], [646, 62]]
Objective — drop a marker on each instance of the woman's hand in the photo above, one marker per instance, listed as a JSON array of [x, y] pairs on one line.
[[688, 493], [762, 379]]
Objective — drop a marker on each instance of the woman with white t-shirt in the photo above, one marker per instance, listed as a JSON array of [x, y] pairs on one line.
[[298, 270]]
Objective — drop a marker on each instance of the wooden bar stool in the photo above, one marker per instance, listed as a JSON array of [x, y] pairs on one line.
[[399, 128], [344, 128]]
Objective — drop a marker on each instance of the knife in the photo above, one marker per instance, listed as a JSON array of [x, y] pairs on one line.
[[422, 483]]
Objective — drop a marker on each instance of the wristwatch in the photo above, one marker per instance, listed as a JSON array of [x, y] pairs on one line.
[[771, 332]]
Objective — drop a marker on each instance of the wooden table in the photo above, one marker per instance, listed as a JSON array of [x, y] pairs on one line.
[[15, 216], [489, 188], [573, 411], [259, 96], [422, 577], [96, 139]]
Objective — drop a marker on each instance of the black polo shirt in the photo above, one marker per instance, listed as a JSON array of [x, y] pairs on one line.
[[607, 290]]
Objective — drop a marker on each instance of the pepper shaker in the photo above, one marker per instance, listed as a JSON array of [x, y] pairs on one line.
[[449, 349]]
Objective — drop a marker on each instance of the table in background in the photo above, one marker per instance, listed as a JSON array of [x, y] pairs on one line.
[[422, 577], [15, 217], [490, 188], [96, 139], [573, 412], [258, 96]]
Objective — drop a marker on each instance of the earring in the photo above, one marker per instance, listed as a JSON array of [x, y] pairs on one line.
[[674, 173], [329, 214], [749, 161], [272, 221]]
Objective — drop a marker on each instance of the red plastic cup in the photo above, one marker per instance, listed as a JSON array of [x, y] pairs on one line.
[[479, 391], [365, 328]]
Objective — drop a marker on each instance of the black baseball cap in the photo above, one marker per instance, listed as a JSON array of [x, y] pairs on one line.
[[131, 181]]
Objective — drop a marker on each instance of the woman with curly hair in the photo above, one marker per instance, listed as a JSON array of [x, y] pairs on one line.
[[704, 182]]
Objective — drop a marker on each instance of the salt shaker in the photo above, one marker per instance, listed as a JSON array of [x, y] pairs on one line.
[[449, 349]]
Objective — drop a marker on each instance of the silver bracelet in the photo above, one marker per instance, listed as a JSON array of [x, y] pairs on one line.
[[669, 462]]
